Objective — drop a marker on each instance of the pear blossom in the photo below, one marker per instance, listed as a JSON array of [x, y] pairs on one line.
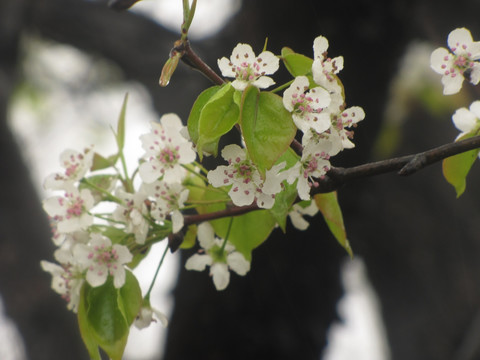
[[100, 258], [454, 66], [76, 165], [67, 277], [70, 212], [342, 123], [313, 164], [307, 106], [132, 213], [467, 120], [298, 212], [146, 316], [168, 200], [324, 68], [247, 184], [166, 150], [248, 69], [220, 260]]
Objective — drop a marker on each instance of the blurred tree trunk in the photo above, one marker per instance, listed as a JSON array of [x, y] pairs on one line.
[[420, 244], [48, 330]]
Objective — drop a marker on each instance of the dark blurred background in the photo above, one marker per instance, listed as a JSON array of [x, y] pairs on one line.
[[420, 244]]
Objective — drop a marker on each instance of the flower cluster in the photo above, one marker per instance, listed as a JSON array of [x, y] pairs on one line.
[[93, 246], [319, 112]]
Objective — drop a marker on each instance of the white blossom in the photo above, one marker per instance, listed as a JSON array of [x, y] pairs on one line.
[[248, 69], [324, 68], [146, 316], [132, 213], [298, 212], [166, 150], [454, 66], [220, 260], [307, 106], [313, 165], [467, 120], [168, 200], [247, 183], [70, 212], [100, 258], [76, 165], [342, 123]]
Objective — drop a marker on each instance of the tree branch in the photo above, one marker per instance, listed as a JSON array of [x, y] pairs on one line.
[[337, 176]]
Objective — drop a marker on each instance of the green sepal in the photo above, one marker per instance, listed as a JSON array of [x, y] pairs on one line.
[[456, 168], [330, 208], [267, 127], [100, 162]]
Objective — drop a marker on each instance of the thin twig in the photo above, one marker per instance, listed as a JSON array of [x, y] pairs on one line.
[[338, 176]]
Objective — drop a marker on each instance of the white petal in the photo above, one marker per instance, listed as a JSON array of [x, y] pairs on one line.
[[240, 85], [242, 53], [177, 221], [97, 276], [241, 196], [263, 82], [217, 177], [464, 120], [298, 221], [475, 108], [124, 255], [475, 74], [119, 277], [320, 45], [226, 67], [437, 59], [268, 62], [452, 85], [237, 262], [233, 152], [321, 98], [149, 171], [172, 123], [221, 275], [459, 37], [198, 262], [206, 235]]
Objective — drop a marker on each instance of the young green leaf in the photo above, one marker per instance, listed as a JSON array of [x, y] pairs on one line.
[[296, 64], [456, 168], [85, 331], [218, 117], [330, 208], [267, 127], [194, 117]]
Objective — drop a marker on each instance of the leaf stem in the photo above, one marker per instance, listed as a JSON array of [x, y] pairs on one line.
[[147, 295]]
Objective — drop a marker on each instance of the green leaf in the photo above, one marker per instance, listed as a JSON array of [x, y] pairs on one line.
[[97, 183], [285, 199], [194, 117], [109, 314], [120, 135], [330, 208], [218, 117], [267, 127], [296, 64], [456, 168], [83, 324], [130, 298]]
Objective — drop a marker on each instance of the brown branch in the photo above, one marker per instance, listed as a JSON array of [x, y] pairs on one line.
[[337, 176]]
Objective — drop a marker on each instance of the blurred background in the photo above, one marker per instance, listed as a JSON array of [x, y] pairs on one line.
[[413, 289]]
